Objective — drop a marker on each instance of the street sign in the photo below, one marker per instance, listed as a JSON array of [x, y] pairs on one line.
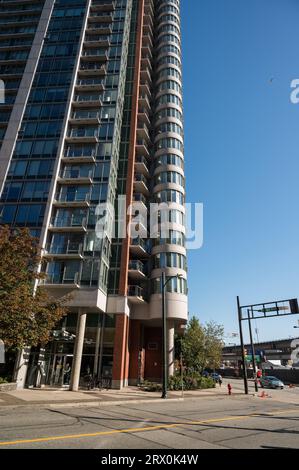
[[272, 309], [249, 358]]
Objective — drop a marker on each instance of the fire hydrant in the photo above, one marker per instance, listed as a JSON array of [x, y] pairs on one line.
[[229, 388]]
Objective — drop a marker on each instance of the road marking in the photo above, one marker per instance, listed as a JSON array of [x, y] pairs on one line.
[[148, 428]]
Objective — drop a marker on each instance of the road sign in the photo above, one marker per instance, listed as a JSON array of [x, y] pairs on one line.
[[272, 309], [249, 358]]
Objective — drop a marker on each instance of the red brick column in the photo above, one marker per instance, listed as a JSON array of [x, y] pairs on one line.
[[120, 352], [125, 256]]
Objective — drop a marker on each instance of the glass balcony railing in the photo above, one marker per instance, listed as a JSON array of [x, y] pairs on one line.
[[68, 248], [88, 98], [85, 133], [137, 197], [69, 221], [136, 266], [63, 278], [140, 242], [77, 174], [139, 178], [86, 115], [141, 159], [135, 291], [91, 82], [73, 197]]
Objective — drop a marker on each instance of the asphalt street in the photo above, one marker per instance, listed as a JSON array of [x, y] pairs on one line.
[[235, 422]]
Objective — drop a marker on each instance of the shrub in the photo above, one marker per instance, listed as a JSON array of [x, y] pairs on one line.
[[190, 382], [148, 386], [3, 380]]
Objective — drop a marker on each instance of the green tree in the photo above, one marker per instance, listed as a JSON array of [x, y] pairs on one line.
[[213, 344], [202, 345], [26, 316]]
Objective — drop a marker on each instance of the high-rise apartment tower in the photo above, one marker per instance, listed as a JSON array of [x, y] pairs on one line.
[[93, 118]]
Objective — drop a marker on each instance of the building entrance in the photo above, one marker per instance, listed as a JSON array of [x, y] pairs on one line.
[[60, 370]]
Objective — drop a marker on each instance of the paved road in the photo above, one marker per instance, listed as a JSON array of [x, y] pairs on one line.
[[197, 423]]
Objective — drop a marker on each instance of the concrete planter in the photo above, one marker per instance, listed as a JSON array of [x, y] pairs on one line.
[[9, 387]]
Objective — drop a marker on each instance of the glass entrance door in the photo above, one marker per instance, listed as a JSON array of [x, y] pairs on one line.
[[61, 370]]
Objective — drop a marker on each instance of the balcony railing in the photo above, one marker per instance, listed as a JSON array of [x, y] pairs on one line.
[[61, 278], [140, 243], [74, 197], [69, 222], [136, 266], [135, 291], [69, 248], [77, 174]]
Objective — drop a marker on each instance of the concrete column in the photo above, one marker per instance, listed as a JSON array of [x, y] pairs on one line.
[[120, 353], [79, 343], [170, 346], [21, 367]]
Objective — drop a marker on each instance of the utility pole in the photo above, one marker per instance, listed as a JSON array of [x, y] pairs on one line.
[[242, 347]]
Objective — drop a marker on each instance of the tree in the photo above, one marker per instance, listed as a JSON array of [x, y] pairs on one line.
[[202, 345], [27, 315], [213, 344]]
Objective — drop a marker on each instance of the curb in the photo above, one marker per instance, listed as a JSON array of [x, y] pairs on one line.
[[99, 404]]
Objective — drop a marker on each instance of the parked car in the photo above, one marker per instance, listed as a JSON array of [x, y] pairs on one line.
[[205, 373], [271, 382]]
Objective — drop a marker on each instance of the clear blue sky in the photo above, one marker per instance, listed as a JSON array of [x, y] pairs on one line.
[[242, 155]]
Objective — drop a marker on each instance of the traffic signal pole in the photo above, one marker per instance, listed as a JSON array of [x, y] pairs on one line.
[[242, 348], [252, 352]]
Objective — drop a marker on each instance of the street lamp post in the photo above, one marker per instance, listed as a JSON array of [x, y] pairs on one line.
[[164, 283]]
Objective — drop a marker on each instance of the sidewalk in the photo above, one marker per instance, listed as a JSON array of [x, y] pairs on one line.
[[129, 395]]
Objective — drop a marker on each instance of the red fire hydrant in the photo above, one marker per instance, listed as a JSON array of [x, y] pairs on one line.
[[229, 388]]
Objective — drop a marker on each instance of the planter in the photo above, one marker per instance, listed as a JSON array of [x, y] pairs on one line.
[[9, 387]]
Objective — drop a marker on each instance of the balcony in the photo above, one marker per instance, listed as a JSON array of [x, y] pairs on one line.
[[80, 176], [136, 270], [97, 40], [85, 118], [80, 157], [139, 247], [86, 101], [101, 17], [143, 132], [72, 199], [68, 224], [144, 102], [140, 199], [95, 55], [142, 148], [143, 116], [90, 84], [71, 250], [83, 136], [100, 6], [145, 74], [92, 69], [141, 184], [99, 29], [61, 280], [135, 294], [141, 165]]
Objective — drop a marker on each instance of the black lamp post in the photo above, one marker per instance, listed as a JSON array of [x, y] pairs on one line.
[[164, 283]]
